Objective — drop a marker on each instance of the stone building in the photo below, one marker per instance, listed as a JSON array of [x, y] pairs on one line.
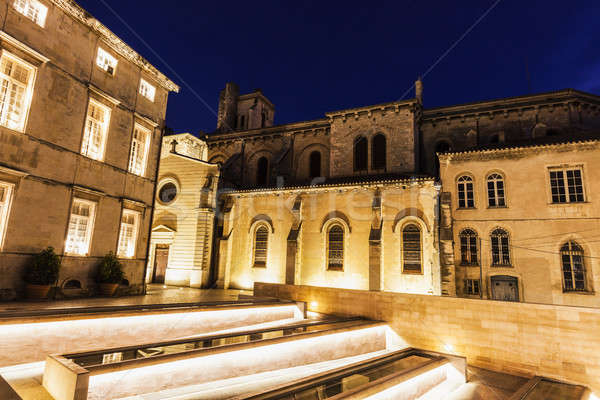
[[182, 228], [524, 221], [81, 119], [362, 170], [335, 202]]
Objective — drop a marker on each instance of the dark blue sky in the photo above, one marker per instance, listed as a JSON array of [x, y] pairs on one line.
[[316, 56]]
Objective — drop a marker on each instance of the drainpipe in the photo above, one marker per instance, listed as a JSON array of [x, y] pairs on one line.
[[146, 259]]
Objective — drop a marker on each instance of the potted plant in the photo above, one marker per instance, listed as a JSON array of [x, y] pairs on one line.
[[41, 273], [110, 274]]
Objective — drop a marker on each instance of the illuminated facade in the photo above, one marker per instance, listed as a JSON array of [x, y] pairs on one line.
[[351, 200], [79, 144], [182, 229], [524, 221]]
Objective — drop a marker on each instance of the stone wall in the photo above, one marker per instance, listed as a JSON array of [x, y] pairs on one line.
[[559, 342]]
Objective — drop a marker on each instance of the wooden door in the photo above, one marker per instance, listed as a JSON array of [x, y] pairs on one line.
[[161, 260], [505, 288]]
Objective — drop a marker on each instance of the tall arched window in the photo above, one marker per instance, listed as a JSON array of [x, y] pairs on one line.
[[360, 153], [572, 267], [495, 188], [500, 247], [468, 247], [335, 247], [378, 152], [315, 164], [262, 171], [465, 192], [261, 244], [411, 249]]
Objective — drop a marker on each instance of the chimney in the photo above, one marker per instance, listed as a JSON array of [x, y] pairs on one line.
[[419, 90]]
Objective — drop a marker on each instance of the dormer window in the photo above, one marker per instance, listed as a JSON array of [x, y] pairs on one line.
[[32, 9], [106, 61], [147, 90]]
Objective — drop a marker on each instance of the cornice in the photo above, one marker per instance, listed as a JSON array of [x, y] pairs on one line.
[[272, 131], [332, 186], [74, 10], [476, 154], [383, 107]]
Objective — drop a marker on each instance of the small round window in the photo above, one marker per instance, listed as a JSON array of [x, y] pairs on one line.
[[167, 192]]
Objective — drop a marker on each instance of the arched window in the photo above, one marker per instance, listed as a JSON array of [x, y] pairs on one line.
[[572, 267], [411, 249], [495, 188], [261, 244], [360, 153], [500, 247], [468, 247], [263, 119], [262, 171], [465, 192], [315, 164], [378, 152], [335, 247]]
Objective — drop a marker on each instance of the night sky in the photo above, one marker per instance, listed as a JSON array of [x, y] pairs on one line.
[[310, 57]]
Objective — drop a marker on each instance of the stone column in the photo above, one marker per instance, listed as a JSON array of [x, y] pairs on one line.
[[375, 244], [292, 243], [447, 246]]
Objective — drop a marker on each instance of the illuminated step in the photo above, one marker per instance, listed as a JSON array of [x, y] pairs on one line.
[[31, 340], [547, 389], [64, 379], [407, 374]]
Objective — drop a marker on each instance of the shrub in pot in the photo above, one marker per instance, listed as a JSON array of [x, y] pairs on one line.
[[41, 273], [110, 274]]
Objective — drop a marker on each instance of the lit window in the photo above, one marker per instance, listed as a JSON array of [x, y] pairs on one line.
[[500, 248], [106, 61], [495, 187], [139, 150], [335, 247], [16, 88], [411, 249], [6, 190], [468, 247], [80, 227], [261, 243], [472, 286], [32, 9], [147, 90], [572, 267], [96, 129], [465, 192], [128, 233], [566, 185]]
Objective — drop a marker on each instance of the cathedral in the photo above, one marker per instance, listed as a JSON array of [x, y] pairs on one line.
[[356, 200]]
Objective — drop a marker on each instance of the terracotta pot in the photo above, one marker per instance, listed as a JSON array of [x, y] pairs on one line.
[[37, 291], [108, 289]]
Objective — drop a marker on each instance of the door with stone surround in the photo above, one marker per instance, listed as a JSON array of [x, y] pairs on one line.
[[505, 288], [161, 260]]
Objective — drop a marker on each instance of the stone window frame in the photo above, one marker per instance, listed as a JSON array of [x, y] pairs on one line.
[[106, 62], [7, 191], [325, 229], [147, 90], [29, 89], [508, 235], [89, 227], [259, 224], [163, 181], [475, 235], [586, 274], [25, 7], [133, 150], [94, 101], [421, 228], [498, 176], [472, 292], [458, 191], [564, 168], [136, 231]]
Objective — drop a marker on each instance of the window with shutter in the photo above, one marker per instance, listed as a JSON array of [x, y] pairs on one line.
[[128, 234], [81, 223], [96, 130], [140, 145], [261, 243], [16, 85], [411, 249], [335, 247]]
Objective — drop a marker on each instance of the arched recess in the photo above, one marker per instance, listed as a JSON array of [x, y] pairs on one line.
[[262, 171], [217, 159], [252, 164], [261, 218], [336, 216], [406, 214], [361, 153], [315, 164], [302, 160], [378, 152]]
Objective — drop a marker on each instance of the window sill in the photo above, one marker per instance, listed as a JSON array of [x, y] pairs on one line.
[[466, 208], [502, 266], [583, 292], [20, 130], [412, 272], [260, 266], [494, 207], [468, 265], [332, 268], [569, 203]]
